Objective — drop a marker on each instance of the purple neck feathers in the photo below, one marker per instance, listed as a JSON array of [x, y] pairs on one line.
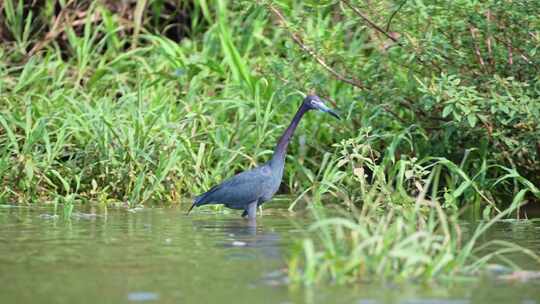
[[278, 159]]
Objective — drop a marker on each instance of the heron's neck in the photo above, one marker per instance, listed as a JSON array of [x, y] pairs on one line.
[[278, 159]]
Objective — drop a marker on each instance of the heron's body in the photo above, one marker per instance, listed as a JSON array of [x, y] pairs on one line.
[[249, 189], [257, 185]]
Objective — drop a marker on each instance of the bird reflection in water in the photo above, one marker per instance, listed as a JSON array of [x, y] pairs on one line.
[[239, 233]]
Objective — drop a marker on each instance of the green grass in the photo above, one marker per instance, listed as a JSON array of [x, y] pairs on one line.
[[396, 237], [98, 110]]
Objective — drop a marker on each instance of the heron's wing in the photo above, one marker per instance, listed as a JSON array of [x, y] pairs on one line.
[[242, 188]]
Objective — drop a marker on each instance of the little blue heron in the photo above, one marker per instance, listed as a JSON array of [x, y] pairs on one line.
[[249, 189]]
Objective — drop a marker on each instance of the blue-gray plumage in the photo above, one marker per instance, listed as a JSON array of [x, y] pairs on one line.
[[249, 189]]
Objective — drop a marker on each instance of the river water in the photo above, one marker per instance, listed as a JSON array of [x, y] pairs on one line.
[[163, 256]]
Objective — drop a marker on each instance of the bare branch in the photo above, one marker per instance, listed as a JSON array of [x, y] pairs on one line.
[[473, 31], [392, 36], [393, 14], [371, 23], [488, 40], [298, 40]]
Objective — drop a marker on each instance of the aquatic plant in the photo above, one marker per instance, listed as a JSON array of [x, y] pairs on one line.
[[407, 225], [400, 244], [397, 235]]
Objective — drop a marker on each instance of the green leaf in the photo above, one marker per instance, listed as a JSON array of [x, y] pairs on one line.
[[447, 110], [472, 119]]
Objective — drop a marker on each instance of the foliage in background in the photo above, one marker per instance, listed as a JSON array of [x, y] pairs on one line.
[[142, 101]]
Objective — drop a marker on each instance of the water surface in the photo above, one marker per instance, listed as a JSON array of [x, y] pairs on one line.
[[162, 256]]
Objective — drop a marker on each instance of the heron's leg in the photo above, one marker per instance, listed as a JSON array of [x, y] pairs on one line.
[[252, 210], [252, 223], [245, 213]]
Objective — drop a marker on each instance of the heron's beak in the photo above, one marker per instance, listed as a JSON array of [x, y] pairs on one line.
[[326, 109]]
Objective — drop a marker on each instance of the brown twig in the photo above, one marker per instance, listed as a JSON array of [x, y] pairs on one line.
[[488, 41], [517, 50], [394, 14], [63, 20], [510, 54], [392, 36], [53, 32], [298, 40], [371, 23], [473, 31], [510, 47]]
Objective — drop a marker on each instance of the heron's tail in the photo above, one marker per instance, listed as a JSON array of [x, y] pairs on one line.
[[202, 199], [193, 205], [196, 202]]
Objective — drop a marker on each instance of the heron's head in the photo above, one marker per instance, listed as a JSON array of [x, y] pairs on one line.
[[314, 102]]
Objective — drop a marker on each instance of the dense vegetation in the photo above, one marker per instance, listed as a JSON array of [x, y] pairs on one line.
[[148, 102]]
